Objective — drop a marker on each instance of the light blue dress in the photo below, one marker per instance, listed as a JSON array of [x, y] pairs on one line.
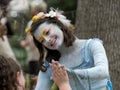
[[87, 66]]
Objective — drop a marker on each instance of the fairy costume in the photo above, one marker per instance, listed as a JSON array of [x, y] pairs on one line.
[[85, 62]]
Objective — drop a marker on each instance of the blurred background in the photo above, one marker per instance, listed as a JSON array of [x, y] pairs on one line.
[[92, 18]]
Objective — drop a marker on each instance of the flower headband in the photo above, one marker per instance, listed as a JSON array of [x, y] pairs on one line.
[[52, 13]]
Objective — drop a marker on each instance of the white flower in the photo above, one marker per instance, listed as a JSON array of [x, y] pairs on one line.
[[51, 14]]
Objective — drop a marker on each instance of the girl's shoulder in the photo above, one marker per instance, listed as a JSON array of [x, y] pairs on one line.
[[93, 41], [88, 43]]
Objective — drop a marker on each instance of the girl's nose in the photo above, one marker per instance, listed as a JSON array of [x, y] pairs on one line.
[[47, 39]]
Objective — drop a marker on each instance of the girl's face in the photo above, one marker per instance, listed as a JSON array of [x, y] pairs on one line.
[[50, 35]]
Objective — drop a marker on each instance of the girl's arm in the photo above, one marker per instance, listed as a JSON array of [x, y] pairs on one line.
[[100, 69], [43, 82]]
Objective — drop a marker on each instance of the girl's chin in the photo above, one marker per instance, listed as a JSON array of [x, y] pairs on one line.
[[55, 47]]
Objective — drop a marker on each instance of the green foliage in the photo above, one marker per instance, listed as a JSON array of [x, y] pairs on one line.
[[20, 53], [66, 5], [18, 25], [54, 87]]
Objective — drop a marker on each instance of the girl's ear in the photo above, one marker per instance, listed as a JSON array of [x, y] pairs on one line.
[[20, 81], [17, 78]]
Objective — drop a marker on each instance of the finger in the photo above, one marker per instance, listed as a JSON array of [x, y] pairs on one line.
[[55, 62], [64, 70]]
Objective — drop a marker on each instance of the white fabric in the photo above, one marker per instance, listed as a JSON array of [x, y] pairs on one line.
[[5, 48]]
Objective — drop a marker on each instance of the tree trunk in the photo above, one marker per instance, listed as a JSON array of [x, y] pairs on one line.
[[101, 19]]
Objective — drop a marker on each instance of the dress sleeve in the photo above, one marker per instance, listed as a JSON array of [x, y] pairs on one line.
[[100, 69], [43, 82]]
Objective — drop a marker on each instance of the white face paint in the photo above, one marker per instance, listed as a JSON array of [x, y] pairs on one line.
[[50, 35]]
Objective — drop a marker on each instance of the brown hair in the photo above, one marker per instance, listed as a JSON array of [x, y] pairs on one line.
[[52, 54], [8, 73]]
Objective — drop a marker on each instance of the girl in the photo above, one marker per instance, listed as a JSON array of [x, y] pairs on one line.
[[85, 60], [11, 75]]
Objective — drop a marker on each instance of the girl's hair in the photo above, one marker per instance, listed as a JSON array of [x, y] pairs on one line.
[[8, 73], [51, 54]]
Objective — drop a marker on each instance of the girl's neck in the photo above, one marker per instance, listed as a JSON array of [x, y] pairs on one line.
[[64, 49]]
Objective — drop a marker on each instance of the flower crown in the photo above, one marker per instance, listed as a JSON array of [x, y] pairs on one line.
[[52, 13]]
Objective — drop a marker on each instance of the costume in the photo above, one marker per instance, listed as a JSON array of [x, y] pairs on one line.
[[87, 67], [85, 60]]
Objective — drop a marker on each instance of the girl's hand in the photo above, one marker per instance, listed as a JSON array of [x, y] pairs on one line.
[[60, 75]]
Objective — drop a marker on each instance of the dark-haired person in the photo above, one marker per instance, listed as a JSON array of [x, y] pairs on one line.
[[11, 75], [84, 59]]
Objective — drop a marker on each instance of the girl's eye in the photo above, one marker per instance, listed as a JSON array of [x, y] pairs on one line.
[[45, 33]]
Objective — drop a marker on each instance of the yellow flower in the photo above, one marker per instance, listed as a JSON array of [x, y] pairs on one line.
[[27, 30], [35, 18]]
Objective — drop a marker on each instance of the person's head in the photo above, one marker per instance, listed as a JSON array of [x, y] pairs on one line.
[[50, 31], [11, 76], [38, 6], [3, 5], [4, 2]]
